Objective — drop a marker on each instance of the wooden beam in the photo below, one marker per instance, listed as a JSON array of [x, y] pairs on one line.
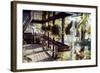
[[57, 16], [63, 23], [38, 21]]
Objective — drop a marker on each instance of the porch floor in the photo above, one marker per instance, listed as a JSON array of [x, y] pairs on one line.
[[36, 53]]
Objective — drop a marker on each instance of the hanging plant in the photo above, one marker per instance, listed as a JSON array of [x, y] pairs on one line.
[[67, 29], [48, 27], [44, 28], [55, 30]]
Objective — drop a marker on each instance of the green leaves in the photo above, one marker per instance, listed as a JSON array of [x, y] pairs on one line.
[[44, 28], [84, 20], [55, 30]]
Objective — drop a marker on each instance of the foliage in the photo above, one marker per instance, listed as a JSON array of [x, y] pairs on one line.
[[44, 28], [84, 20], [48, 28], [67, 29], [55, 30]]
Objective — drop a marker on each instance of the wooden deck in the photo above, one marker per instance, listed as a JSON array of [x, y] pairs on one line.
[[36, 53]]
